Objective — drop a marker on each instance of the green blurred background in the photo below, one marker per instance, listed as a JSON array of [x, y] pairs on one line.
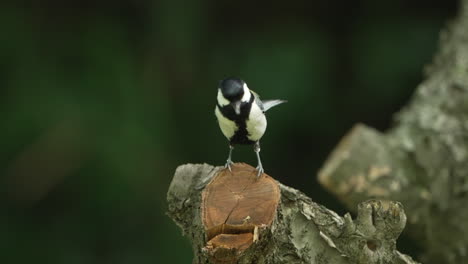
[[101, 101]]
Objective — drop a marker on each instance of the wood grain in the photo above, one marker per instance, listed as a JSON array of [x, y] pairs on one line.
[[234, 204]]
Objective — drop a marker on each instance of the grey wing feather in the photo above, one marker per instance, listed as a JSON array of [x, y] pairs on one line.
[[267, 104]]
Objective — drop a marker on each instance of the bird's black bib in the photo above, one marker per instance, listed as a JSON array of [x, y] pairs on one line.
[[240, 137]]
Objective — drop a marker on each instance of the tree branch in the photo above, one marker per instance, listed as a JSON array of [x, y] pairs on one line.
[[422, 161], [302, 231]]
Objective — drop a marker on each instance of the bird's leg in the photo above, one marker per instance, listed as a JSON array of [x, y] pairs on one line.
[[229, 161], [259, 166]]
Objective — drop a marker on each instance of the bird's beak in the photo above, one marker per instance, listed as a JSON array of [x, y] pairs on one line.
[[236, 105]]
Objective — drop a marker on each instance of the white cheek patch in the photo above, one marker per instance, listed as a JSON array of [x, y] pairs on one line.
[[256, 124], [247, 94], [221, 100], [228, 127]]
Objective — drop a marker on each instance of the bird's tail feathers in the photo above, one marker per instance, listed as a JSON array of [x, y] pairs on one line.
[[267, 104]]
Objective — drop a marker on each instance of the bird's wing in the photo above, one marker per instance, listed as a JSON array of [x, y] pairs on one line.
[[267, 104], [258, 101]]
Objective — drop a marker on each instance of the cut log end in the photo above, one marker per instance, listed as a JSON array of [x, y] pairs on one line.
[[362, 157], [234, 204], [227, 248]]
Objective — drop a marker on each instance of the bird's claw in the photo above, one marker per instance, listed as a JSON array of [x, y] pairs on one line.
[[260, 171], [228, 165]]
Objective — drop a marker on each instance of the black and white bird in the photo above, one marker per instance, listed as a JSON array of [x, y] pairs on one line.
[[241, 116]]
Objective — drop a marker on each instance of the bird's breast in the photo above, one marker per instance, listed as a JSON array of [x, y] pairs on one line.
[[227, 126], [256, 123], [244, 128]]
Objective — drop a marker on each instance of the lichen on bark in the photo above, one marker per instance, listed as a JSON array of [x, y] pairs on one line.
[[422, 160], [303, 231]]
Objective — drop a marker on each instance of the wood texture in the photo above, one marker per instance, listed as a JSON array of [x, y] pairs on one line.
[[237, 202], [302, 231], [423, 160], [239, 198], [228, 248]]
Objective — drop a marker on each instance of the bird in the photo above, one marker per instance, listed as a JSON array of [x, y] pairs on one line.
[[241, 116]]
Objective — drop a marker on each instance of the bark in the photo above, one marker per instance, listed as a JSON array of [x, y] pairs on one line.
[[302, 231], [423, 160]]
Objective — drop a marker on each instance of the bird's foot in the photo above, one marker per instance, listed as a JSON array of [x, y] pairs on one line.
[[228, 165], [260, 170]]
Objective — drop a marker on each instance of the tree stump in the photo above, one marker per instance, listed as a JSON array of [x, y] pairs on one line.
[[233, 217], [235, 204]]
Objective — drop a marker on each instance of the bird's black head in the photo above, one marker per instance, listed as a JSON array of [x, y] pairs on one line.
[[232, 88]]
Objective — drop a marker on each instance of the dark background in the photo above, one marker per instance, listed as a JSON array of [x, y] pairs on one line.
[[100, 102]]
